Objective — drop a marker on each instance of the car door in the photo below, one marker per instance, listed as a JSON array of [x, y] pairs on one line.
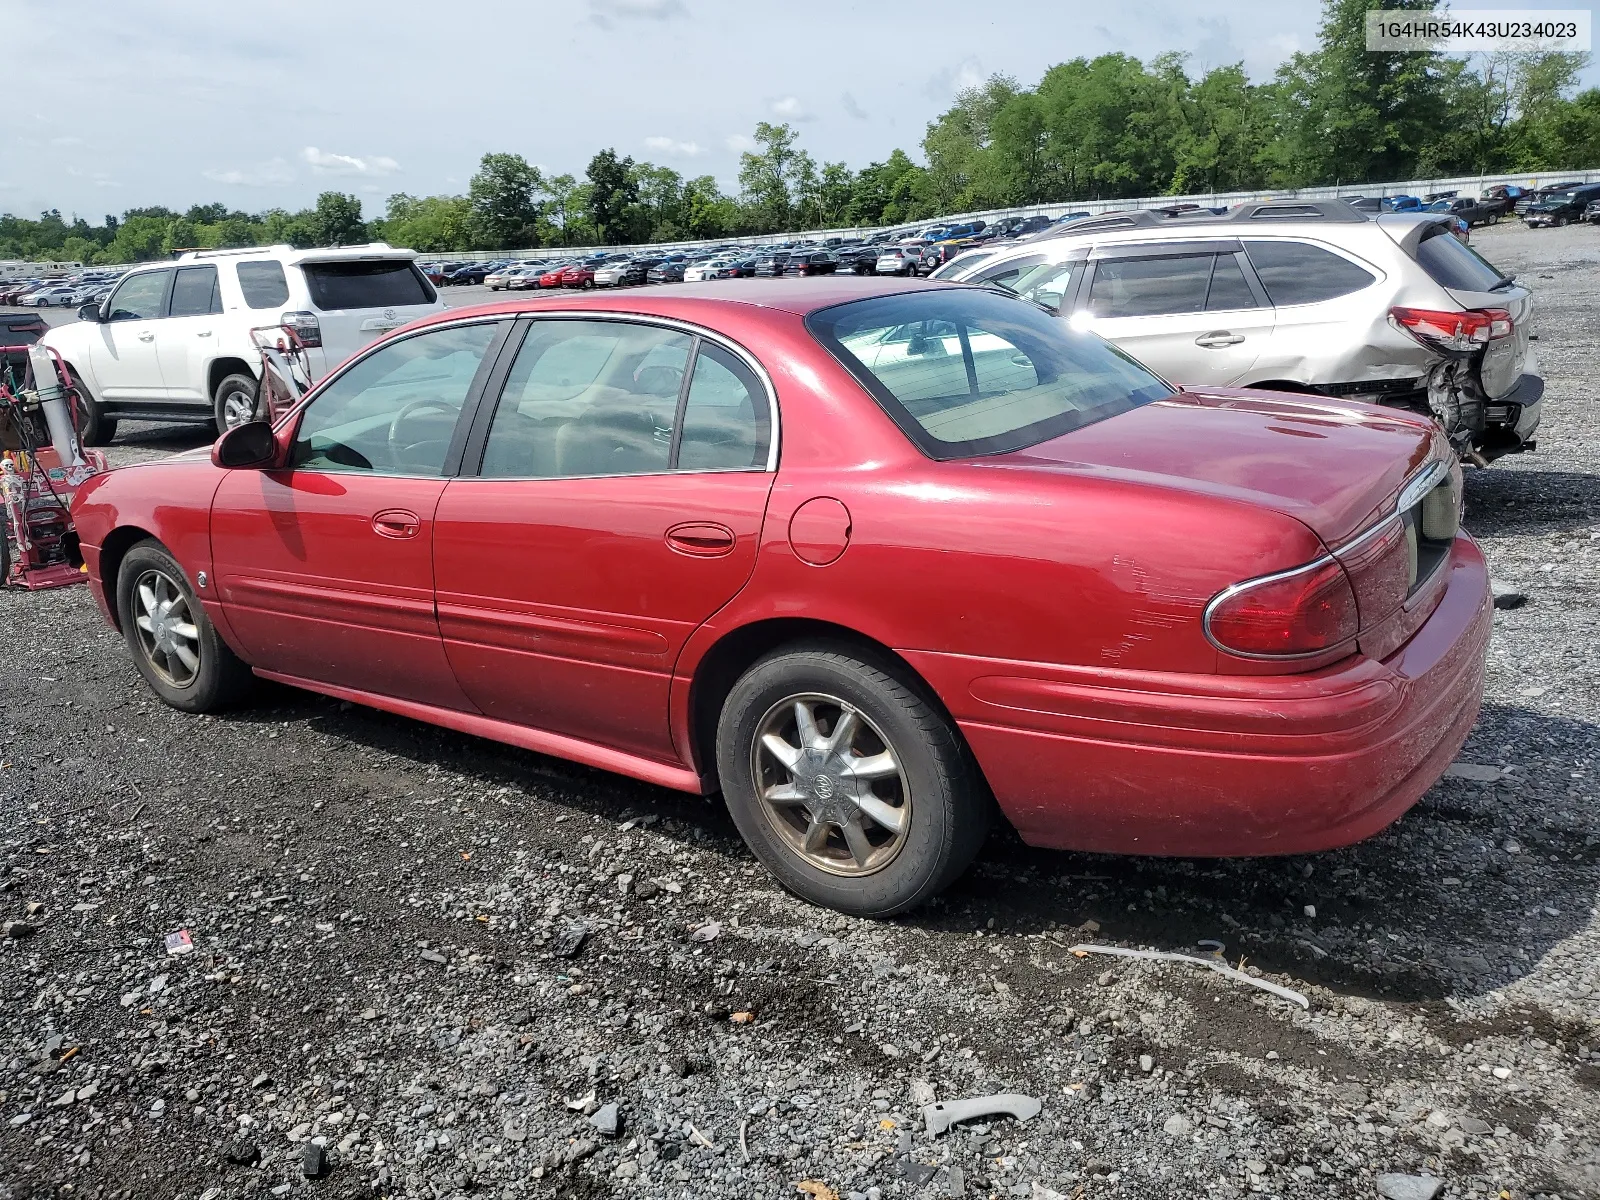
[[324, 568], [1318, 297], [614, 507], [186, 340], [1185, 310], [122, 350]]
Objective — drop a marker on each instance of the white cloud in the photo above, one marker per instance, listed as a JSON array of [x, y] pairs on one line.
[[852, 108], [266, 174], [671, 146], [968, 73], [739, 142], [326, 163], [603, 12], [68, 140], [789, 108]]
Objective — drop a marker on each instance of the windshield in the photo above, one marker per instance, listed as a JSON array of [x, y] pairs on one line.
[[968, 371]]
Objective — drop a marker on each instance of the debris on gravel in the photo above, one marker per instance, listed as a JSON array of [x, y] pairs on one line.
[[429, 966]]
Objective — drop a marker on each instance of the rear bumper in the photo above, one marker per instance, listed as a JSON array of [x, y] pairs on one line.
[[1225, 765]]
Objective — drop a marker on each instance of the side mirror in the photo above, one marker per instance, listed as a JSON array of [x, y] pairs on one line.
[[250, 447], [90, 312]]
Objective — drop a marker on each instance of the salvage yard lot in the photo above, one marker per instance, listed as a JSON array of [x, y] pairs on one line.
[[387, 917]]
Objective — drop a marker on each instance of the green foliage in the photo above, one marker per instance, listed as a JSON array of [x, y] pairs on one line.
[[1104, 128]]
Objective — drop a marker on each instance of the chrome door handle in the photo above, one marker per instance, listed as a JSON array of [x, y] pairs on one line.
[[1218, 338], [147, 336]]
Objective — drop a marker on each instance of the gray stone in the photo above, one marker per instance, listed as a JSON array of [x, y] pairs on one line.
[[313, 1161], [1506, 595], [1409, 1187], [608, 1120], [1177, 1126]]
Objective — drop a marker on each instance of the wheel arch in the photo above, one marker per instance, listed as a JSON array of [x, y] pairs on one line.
[[112, 551], [736, 651], [221, 368]]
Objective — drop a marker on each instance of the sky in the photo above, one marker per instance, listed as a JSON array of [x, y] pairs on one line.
[[178, 102]]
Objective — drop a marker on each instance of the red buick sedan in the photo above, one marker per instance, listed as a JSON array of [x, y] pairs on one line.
[[871, 558]]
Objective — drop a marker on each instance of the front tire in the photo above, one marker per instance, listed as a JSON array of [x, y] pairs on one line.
[[174, 645], [235, 401], [853, 790], [94, 427]]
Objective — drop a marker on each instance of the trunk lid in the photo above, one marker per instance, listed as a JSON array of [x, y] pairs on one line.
[[1334, 466]]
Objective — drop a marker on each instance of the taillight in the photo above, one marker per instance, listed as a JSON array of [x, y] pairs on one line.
[[305, 327], [1287, 615], [1454, 331]]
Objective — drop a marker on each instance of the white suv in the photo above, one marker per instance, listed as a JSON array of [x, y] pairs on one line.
[[1304, 296], [172, 341]]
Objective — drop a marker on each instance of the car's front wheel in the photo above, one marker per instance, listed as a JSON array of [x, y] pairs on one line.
[[174, 644], [852, 788]]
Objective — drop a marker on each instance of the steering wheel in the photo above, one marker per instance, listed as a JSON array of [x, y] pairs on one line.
[[396, 447]]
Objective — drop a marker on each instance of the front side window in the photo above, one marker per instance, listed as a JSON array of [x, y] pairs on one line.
[[1148, 287], [394, 412], [263, 283], [1300, 273], [968, 371], [194, 292], [140, 297]]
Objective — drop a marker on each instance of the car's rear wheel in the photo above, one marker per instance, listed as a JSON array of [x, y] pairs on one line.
[[853, 789], [94, 427], [174, 644], [235, 401]]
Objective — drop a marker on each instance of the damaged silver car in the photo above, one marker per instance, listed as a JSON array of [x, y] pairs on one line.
[[1302, 296]]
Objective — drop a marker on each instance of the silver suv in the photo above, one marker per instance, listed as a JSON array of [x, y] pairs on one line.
[[1304, 296]]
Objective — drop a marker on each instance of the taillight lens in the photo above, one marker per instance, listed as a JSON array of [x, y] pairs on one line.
[[1287, 615], [305, 327], [1454, 331]]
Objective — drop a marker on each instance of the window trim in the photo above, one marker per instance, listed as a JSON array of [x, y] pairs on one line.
[[476, 445], [289, 426]]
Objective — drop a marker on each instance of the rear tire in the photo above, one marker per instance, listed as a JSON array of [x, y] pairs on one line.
[[871, 825], [174, 645], [236, 402], [94, 427]]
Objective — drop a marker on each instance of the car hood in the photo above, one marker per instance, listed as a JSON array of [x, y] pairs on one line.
[[1333, 466]]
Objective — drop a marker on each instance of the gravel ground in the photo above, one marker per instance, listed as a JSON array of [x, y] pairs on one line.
[[431, 966]]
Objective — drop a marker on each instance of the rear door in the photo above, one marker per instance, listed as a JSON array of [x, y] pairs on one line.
[[1319, 294], [122, 349], [1188, 311], [618, 505], [186, 342]]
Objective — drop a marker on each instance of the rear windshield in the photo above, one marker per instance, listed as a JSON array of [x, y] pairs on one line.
[[1452, 264], [388, 283], [968, 371]]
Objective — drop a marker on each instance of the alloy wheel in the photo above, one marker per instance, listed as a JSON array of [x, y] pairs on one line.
[[831, 785], [167, 632], [238, 407]]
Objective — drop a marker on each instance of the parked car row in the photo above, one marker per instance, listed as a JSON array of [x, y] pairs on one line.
[[72, 291]]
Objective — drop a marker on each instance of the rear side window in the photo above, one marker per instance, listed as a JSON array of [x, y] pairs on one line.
[[1453, 265], [1300, 273], [263, 283], [968, 371], [194, 292], [388, 283]]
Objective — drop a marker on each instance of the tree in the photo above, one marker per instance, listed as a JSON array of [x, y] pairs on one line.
[[432, 223], [566, 204], [612, 192], [505, 202], [765, 176], [335, 221]]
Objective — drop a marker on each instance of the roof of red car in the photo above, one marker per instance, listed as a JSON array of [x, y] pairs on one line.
[[799, 296]]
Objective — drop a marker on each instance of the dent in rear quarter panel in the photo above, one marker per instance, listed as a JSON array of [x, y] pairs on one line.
[[171, 501]]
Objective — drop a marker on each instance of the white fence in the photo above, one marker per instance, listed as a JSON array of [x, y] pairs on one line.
[[1471, 184]]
